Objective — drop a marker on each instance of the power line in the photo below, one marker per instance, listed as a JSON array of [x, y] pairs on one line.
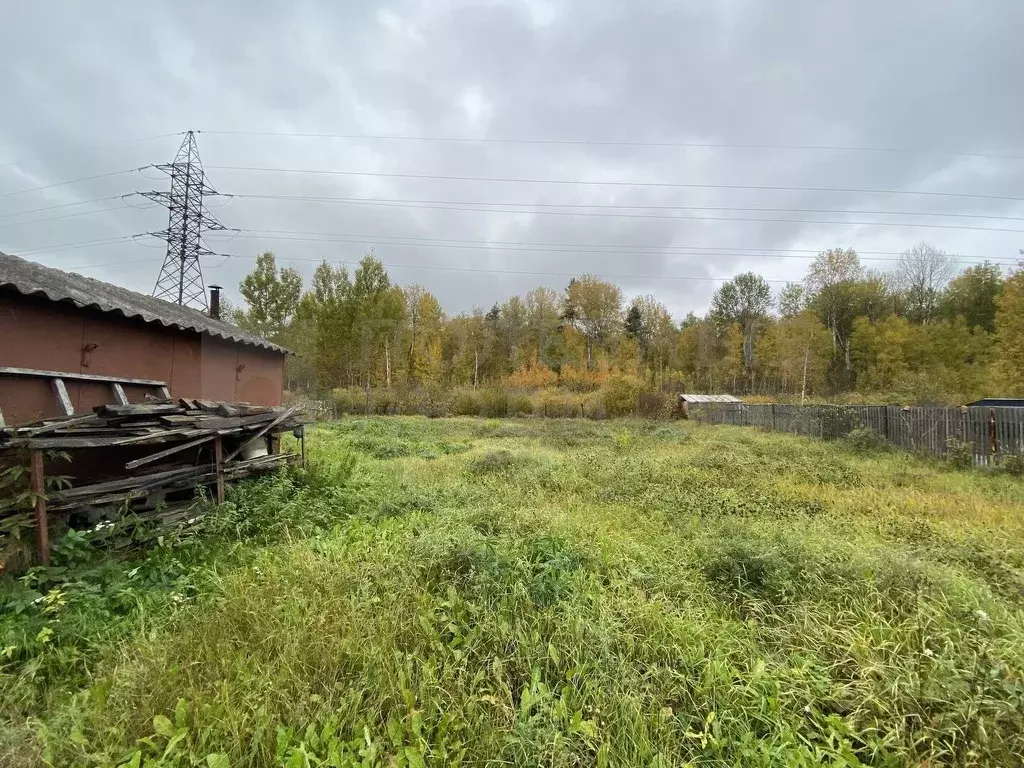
[[114, 264], [83, 213], [665, 184], [760, 219], [77, 244], [571, 249], [610, 206], [73, 181], [62, 205], [90, 146], [606, 143]]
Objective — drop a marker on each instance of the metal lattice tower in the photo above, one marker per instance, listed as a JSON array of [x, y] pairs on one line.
[[181, 277]]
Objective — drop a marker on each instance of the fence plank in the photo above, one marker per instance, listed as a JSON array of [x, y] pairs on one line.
[[993, 433]]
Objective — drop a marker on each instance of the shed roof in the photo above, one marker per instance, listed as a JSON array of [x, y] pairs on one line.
[[1010, 402], [31, 279], [687, 398]]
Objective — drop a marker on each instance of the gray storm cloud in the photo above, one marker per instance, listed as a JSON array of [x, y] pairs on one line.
[[937, 80]]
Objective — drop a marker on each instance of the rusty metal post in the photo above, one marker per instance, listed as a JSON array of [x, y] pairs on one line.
[[42, 524], [218, 457]]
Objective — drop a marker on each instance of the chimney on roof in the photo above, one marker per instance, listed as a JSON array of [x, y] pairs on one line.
[[215, 302]]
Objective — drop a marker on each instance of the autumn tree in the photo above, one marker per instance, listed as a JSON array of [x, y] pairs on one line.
[[744, 301], [972, 295], [1009, 324], [271, 297], [923, 272], [594, 307], [831, 285]]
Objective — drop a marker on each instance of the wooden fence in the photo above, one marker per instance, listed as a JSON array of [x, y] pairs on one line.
[[993, 433]]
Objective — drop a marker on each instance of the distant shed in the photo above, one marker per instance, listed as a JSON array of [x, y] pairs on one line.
[[69, 343], [999, 402], [688, 400]]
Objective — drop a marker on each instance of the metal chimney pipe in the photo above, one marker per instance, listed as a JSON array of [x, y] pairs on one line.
[[215, 301]]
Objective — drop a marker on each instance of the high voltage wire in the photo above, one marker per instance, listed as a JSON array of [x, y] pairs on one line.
[[63, 205], [624, 250], [73, 181], [477, 208], [83, 213], [324, 199], [398, 202], [761, 219], [89, 147], [517, 247], [666, 184], [603, 143]]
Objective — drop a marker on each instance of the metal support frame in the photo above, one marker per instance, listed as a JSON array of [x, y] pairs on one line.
[[181, 277]]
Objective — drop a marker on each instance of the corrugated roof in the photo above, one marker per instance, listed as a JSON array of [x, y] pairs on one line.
[[31, 279], [710, 399]]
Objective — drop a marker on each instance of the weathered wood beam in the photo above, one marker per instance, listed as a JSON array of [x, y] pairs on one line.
[[169, 452], [42, 524], [78, 376], [63, 400], [119, 396]]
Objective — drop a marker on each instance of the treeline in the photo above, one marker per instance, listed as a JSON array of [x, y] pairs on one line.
[[920, 333]]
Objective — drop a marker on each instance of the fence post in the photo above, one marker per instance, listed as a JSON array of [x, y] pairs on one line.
[[774, 428]]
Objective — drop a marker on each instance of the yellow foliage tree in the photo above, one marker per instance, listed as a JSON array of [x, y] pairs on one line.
[[1010, 336]]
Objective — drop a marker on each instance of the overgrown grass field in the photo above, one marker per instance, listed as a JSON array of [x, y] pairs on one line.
[[541, 592]]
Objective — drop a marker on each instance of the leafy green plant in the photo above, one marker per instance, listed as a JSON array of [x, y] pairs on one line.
[[959, 453], [865, 440]]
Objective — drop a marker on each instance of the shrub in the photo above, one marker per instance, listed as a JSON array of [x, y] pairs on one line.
[[866, 440], [959, 453], [555, 403], [384, 402], [467, 402], [592, 405], [438, 402], [349, 401], [494, 403], [621, 395], [653, 404], [520, 404], [1012, 465]]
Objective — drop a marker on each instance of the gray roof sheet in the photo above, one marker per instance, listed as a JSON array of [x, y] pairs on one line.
[[709, 398], [31, 279]]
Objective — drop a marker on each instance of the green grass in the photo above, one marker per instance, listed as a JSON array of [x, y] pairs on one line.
[[531, 592]]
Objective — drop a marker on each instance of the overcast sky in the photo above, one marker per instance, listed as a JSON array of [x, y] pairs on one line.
[[612, 80]]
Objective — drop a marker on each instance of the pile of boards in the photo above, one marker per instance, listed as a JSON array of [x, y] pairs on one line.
[[141, 457]]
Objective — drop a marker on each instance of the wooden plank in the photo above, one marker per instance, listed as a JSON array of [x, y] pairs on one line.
[[289, 412], [77, 376], [42, 524], [138, 409], [169, 452], [61, 392], [165, 393], [119, 396], [55, 425], [218, 458]]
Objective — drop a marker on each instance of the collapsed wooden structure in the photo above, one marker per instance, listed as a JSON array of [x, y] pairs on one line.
[[145, 459]]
